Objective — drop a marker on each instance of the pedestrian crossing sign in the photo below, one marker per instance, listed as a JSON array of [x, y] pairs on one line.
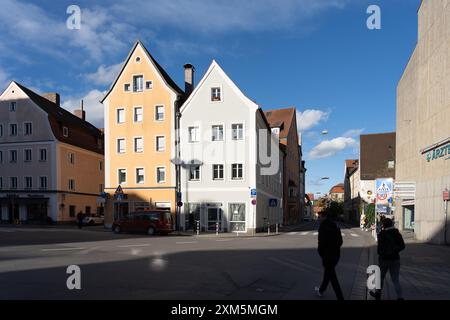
[[119, 191]]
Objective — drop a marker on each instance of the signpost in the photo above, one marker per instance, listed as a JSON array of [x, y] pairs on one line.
[[118, 195], [446, 196], [384, 191]]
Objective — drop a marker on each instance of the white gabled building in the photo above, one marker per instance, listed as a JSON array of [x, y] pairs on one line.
[[223, 134]]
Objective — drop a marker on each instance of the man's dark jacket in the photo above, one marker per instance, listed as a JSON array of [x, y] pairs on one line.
[[330, 240], [390, 243]]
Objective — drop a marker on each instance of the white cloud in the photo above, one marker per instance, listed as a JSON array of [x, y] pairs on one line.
[[92, 106], [104, 75], [310, 118], [329, 148], [353, 133]]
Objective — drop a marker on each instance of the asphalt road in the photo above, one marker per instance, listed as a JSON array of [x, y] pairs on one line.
[[33, 264]]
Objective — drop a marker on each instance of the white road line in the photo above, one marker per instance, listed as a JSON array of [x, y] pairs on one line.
[[304, 233], [292, 233], [62, 249], [354, 235], [134, 245], [186, 242]]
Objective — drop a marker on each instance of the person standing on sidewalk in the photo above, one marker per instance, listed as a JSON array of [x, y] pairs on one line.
[[80, 220], [390, 244], [330, 243]]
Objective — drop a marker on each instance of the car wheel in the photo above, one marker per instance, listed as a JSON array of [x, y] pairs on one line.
[[117, 229], [151, 231]]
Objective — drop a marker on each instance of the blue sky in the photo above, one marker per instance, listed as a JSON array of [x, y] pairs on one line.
[[316, 55]]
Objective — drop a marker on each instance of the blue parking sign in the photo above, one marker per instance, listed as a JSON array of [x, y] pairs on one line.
[[253, 192]]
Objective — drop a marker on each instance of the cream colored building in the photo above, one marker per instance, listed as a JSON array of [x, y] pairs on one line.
[[51, 161], [423, 130]]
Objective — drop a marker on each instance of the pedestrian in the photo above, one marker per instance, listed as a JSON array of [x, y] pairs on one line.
[[80, 219], [390, 244], [330, 243]]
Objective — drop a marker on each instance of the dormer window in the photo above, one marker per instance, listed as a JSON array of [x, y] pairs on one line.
[[13, 106], [66, 132], [216, 94], [138, 83], [276, 131]]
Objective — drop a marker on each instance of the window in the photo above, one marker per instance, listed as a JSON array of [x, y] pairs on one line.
[[218, 172], [160, 175], [1, 156], [43, 155], [72, 210], [13, 183], [28, 155], [148, 85], [194, 134], [122, 176], [1, 130], [100, 165], [216, 94], [391, 164], [121, 145], [160, 143], [28, 128], [71, 157], [43, 182], [194, 173], [13, 156], [140, 175], [126, 87], [71, 184], [138, 145], [1, 183], [13, 106], [101, 188], [13, 129], [28, 182], [120, 115], [237, 131], [237, 214], [237, 171], [217, 133], [65, 132], [138, 114], [138, 83], [276, 131], [159, 113]]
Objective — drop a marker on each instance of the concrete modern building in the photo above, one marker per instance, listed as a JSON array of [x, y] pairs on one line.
[[140, 137], [352, 198], [51, 161], [232, 167], [284, 123], [423, 130]]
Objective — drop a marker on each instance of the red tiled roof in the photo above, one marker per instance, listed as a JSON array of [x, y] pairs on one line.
[[281, 118], [339, 188]]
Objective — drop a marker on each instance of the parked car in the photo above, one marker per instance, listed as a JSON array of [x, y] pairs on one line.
[[151, 222], [91, 220]]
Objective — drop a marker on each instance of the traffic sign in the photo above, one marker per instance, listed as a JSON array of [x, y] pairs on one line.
[[119, 190], [446, 195], [273, 203], [254, 202], [119, 197], [253, 193], [179, 204]]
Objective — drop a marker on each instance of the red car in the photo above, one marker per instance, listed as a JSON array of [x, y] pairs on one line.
[[152, 222]]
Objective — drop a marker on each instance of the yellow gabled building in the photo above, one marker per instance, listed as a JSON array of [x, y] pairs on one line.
[[140, 136]]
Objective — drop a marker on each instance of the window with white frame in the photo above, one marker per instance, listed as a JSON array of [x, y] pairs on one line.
[[138, 114], [237, 217], [122, 176], [71, 157], [160, 175], [160, 143], [139, 145], [13, 156], [218, 173], [121, 145], [13, 183], [216, 94], [43, 182], [138, 83], [194, 134], [120, 115], [237, 131], [159, 113], [148, 85], [28, 128], [71, 184], [65, 132], [13, 106], [13, 129], [28, 156], [217, 133], [140, 176], [237, 171], [194, 173], [28, 182], [43, 155]]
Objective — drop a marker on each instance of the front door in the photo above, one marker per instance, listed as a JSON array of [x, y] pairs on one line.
[[214, 217]]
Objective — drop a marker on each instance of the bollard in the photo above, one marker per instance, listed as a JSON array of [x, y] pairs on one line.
[[217, 228], [198, 227], [268, 228], [276, 228]]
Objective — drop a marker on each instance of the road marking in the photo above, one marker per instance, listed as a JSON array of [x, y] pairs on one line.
[[134, 245], [223, 240], [7, 231], [292, 233], [304, 233], [186, 242], [62, 249], [354, 235]]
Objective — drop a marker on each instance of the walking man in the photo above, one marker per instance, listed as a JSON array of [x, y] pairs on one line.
[[390, 244], [330, 243]]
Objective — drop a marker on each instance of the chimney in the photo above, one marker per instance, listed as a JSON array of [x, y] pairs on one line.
[[189, 71], [53, 97], [80, 113]]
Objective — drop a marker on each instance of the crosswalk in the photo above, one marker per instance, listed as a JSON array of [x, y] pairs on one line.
[[315, 233]]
